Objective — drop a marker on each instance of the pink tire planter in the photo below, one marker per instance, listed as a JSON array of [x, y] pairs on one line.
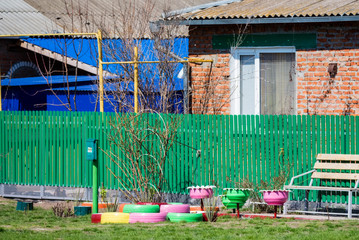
[[201, 192], [178, 208], [275, 197], [147, 217]]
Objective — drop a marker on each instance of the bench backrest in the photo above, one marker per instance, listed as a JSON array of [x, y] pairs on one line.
[[337, 167]]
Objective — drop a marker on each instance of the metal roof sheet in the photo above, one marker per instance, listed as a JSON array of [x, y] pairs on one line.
[[18, 17], [276, 9]]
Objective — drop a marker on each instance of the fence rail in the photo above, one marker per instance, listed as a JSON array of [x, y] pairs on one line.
[[48, 148]]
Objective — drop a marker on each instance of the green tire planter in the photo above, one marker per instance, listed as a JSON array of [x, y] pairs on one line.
[[228, 204], [236, 195], [133, 208], [185, 217]]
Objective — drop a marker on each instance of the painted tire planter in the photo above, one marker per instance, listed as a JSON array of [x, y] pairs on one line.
[[237, 195], [115, 217], [100, 205], [178, 208], [82, 210], [122, 205], [275, 197], [198, 208], [147, 217], [228, 204], [96, 218], [132, 208], [152, 203], [201, 192], [185, 217]]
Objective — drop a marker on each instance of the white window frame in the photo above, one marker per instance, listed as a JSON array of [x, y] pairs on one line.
[[235, 73]]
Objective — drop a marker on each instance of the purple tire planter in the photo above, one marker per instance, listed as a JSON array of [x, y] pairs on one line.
[[275, 197], [178, 208], [147, 217]]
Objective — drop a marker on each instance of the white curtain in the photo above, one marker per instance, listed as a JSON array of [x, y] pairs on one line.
[[277, 83]]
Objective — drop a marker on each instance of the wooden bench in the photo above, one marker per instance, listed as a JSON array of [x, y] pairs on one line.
[[329, 173]]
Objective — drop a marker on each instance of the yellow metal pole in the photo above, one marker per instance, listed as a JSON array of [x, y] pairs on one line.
[[136, 79], [100, 69]]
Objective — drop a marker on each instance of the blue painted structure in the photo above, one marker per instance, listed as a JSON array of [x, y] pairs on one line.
[[35, 93]]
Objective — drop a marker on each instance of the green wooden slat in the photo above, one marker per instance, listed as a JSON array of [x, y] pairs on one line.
[[240, 147], [232, 158], [226, 149], [258, 158], [244, 148], [276, 144], [253, 147], [312, 146], [235, 151], [182, 155], [352, 135], [216, 137], [266, 142], [327, 131], [223, 152], [271, 143], [248, 147]]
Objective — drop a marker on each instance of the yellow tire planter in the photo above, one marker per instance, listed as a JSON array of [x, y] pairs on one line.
[[115, 217]]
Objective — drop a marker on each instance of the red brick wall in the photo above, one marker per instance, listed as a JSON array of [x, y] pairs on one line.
[[317, 92]]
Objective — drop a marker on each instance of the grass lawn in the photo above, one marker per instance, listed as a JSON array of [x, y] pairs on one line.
[[42, 224]]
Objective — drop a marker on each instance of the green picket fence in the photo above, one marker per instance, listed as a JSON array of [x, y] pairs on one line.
[[48, 148]]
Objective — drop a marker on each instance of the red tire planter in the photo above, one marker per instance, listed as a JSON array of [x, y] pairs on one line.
[[179, 208], [96, 218], [147, 217]]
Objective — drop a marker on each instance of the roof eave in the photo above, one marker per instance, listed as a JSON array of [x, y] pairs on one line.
[[226, 21]]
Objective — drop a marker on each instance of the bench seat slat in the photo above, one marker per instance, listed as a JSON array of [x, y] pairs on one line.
[[336, 166], [338, 157], [336, 176], [321, 188]]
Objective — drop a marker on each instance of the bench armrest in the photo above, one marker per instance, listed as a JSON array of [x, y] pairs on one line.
[[298, 176]]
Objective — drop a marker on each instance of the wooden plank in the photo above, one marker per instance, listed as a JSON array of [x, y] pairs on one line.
[[336, 166], [319, 188], [338, 157], [335, 176]]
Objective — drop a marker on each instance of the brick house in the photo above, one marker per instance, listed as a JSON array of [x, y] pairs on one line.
[[297, 57]]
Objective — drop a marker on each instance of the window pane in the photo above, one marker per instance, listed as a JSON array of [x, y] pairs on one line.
[[277, 83], [247, 87]]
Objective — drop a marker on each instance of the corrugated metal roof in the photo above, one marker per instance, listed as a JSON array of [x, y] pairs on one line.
[[18, 17], [91, 15], [276, 9]]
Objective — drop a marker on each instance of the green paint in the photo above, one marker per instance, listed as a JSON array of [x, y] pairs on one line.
[[47, 148], [299, 40]]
